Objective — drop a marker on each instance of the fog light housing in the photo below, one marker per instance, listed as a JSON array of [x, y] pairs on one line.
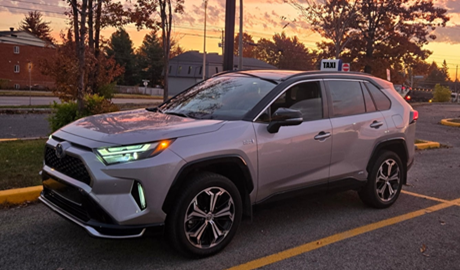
[[137, 191]]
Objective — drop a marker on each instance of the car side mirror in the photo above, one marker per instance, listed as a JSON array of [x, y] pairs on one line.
[[284, 117]]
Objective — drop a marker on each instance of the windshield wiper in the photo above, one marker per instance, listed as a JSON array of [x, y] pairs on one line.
[[178, 114], [154, 109]]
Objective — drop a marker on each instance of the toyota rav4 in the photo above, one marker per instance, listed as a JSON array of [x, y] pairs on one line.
[[196, 164]]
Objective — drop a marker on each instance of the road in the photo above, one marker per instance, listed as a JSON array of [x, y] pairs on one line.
[[335, 231], [18, 101]]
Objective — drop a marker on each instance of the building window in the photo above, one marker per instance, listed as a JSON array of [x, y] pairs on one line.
[[217, 70], [17, 86], [16, 69], [201, 69], [16, 49], [180, 69], [189, 69], [170, 68]]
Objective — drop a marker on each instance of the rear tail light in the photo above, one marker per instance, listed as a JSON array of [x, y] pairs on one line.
[[407, 97], [413, 116]]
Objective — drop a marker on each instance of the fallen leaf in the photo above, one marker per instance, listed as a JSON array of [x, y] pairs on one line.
[[442, 222], [318, 243], [423, 248]]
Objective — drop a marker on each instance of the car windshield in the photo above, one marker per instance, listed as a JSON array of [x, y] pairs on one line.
[[227, 97]]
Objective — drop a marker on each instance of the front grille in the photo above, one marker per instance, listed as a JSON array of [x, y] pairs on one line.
[[68, 165]]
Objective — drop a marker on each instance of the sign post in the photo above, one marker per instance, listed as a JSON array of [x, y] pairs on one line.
[[146, 82]]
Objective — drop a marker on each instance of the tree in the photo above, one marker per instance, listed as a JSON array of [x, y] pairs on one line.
[[64, 65], [34, 24], [249, 46], [286, 53], [150, 57], [396, 27], [166, 10], [334, 20], [120, 47], [437, 75]]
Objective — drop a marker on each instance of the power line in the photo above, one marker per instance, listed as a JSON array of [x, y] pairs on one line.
[[36, 3], [29, 9]]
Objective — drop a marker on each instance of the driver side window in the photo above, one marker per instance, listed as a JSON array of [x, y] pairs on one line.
[[305, 97]]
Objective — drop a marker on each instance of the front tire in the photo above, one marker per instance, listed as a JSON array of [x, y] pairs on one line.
[[206, 215], [384, 181]]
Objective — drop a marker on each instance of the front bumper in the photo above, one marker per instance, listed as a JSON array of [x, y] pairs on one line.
[[76, 206]]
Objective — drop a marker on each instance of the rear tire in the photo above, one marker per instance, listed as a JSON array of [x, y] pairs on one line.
[[206, 215], [384, 181]]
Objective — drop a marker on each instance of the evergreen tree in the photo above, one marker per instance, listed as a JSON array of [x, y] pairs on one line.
[[150, 56], [120, 47], [34, 24]]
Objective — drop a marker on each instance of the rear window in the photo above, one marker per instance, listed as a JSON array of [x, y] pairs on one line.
[[381, 101]]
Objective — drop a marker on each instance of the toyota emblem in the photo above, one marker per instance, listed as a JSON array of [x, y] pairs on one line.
[[59, 150]]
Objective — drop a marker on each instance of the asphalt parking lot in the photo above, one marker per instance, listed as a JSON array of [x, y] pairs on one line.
[[336, 231]]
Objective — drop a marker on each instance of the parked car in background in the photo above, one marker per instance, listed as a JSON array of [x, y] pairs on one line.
[[199, 162]]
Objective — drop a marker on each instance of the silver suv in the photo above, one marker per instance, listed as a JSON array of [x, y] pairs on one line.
[[198, 163]]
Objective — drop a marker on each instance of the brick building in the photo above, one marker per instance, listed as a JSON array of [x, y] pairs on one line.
[[20, 50]]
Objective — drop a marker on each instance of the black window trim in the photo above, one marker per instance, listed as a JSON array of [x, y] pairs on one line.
[[380, 89], [323, 96]]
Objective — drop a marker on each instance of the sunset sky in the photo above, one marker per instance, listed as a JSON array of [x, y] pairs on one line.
[[262, 19]]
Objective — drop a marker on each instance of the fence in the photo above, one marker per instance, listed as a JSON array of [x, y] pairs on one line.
[[139, 90]]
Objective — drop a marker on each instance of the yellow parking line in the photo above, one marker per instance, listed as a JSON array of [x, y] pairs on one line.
[[425, 197], [289, 253]]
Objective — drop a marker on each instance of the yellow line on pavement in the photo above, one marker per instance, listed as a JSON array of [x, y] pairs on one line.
[[289, 253], [455, 202]]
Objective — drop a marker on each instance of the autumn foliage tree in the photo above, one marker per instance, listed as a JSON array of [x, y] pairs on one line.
[[249, 46], [390, 31], [286, 53], [64, 66]]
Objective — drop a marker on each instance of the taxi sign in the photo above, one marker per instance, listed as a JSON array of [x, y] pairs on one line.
[[331, 65]]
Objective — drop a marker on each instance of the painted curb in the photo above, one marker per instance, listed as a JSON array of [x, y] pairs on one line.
[[21, 139], [447, 122], [20, 195], [427, 145]]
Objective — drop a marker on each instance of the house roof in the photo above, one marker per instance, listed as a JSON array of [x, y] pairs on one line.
[[214, 58], [22, 38]]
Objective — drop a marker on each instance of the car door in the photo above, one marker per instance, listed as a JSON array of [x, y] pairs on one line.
[[356, 124], [295, 157]]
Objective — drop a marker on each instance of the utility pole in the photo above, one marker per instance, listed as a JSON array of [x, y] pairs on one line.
[[204, 43], [229, 34], [240, 49]]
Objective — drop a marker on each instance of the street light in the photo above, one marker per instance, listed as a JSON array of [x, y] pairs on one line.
[[204, 42], [240, 49]]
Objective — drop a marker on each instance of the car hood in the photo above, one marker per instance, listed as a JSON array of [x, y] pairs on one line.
[[138, 126]]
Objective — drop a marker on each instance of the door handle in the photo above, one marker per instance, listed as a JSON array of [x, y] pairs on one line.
[[322, 136], [376, 124]]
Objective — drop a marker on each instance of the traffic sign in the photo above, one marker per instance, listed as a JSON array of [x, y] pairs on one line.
[[346, 67]]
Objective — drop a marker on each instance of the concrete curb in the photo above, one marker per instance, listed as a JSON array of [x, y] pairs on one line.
[[21, 139], [427, 145], [20, 195], [448, 122]]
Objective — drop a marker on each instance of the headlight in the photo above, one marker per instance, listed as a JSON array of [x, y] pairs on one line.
[[118, 154]]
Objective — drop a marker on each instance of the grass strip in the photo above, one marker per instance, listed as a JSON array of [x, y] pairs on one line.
[[20, 163]]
